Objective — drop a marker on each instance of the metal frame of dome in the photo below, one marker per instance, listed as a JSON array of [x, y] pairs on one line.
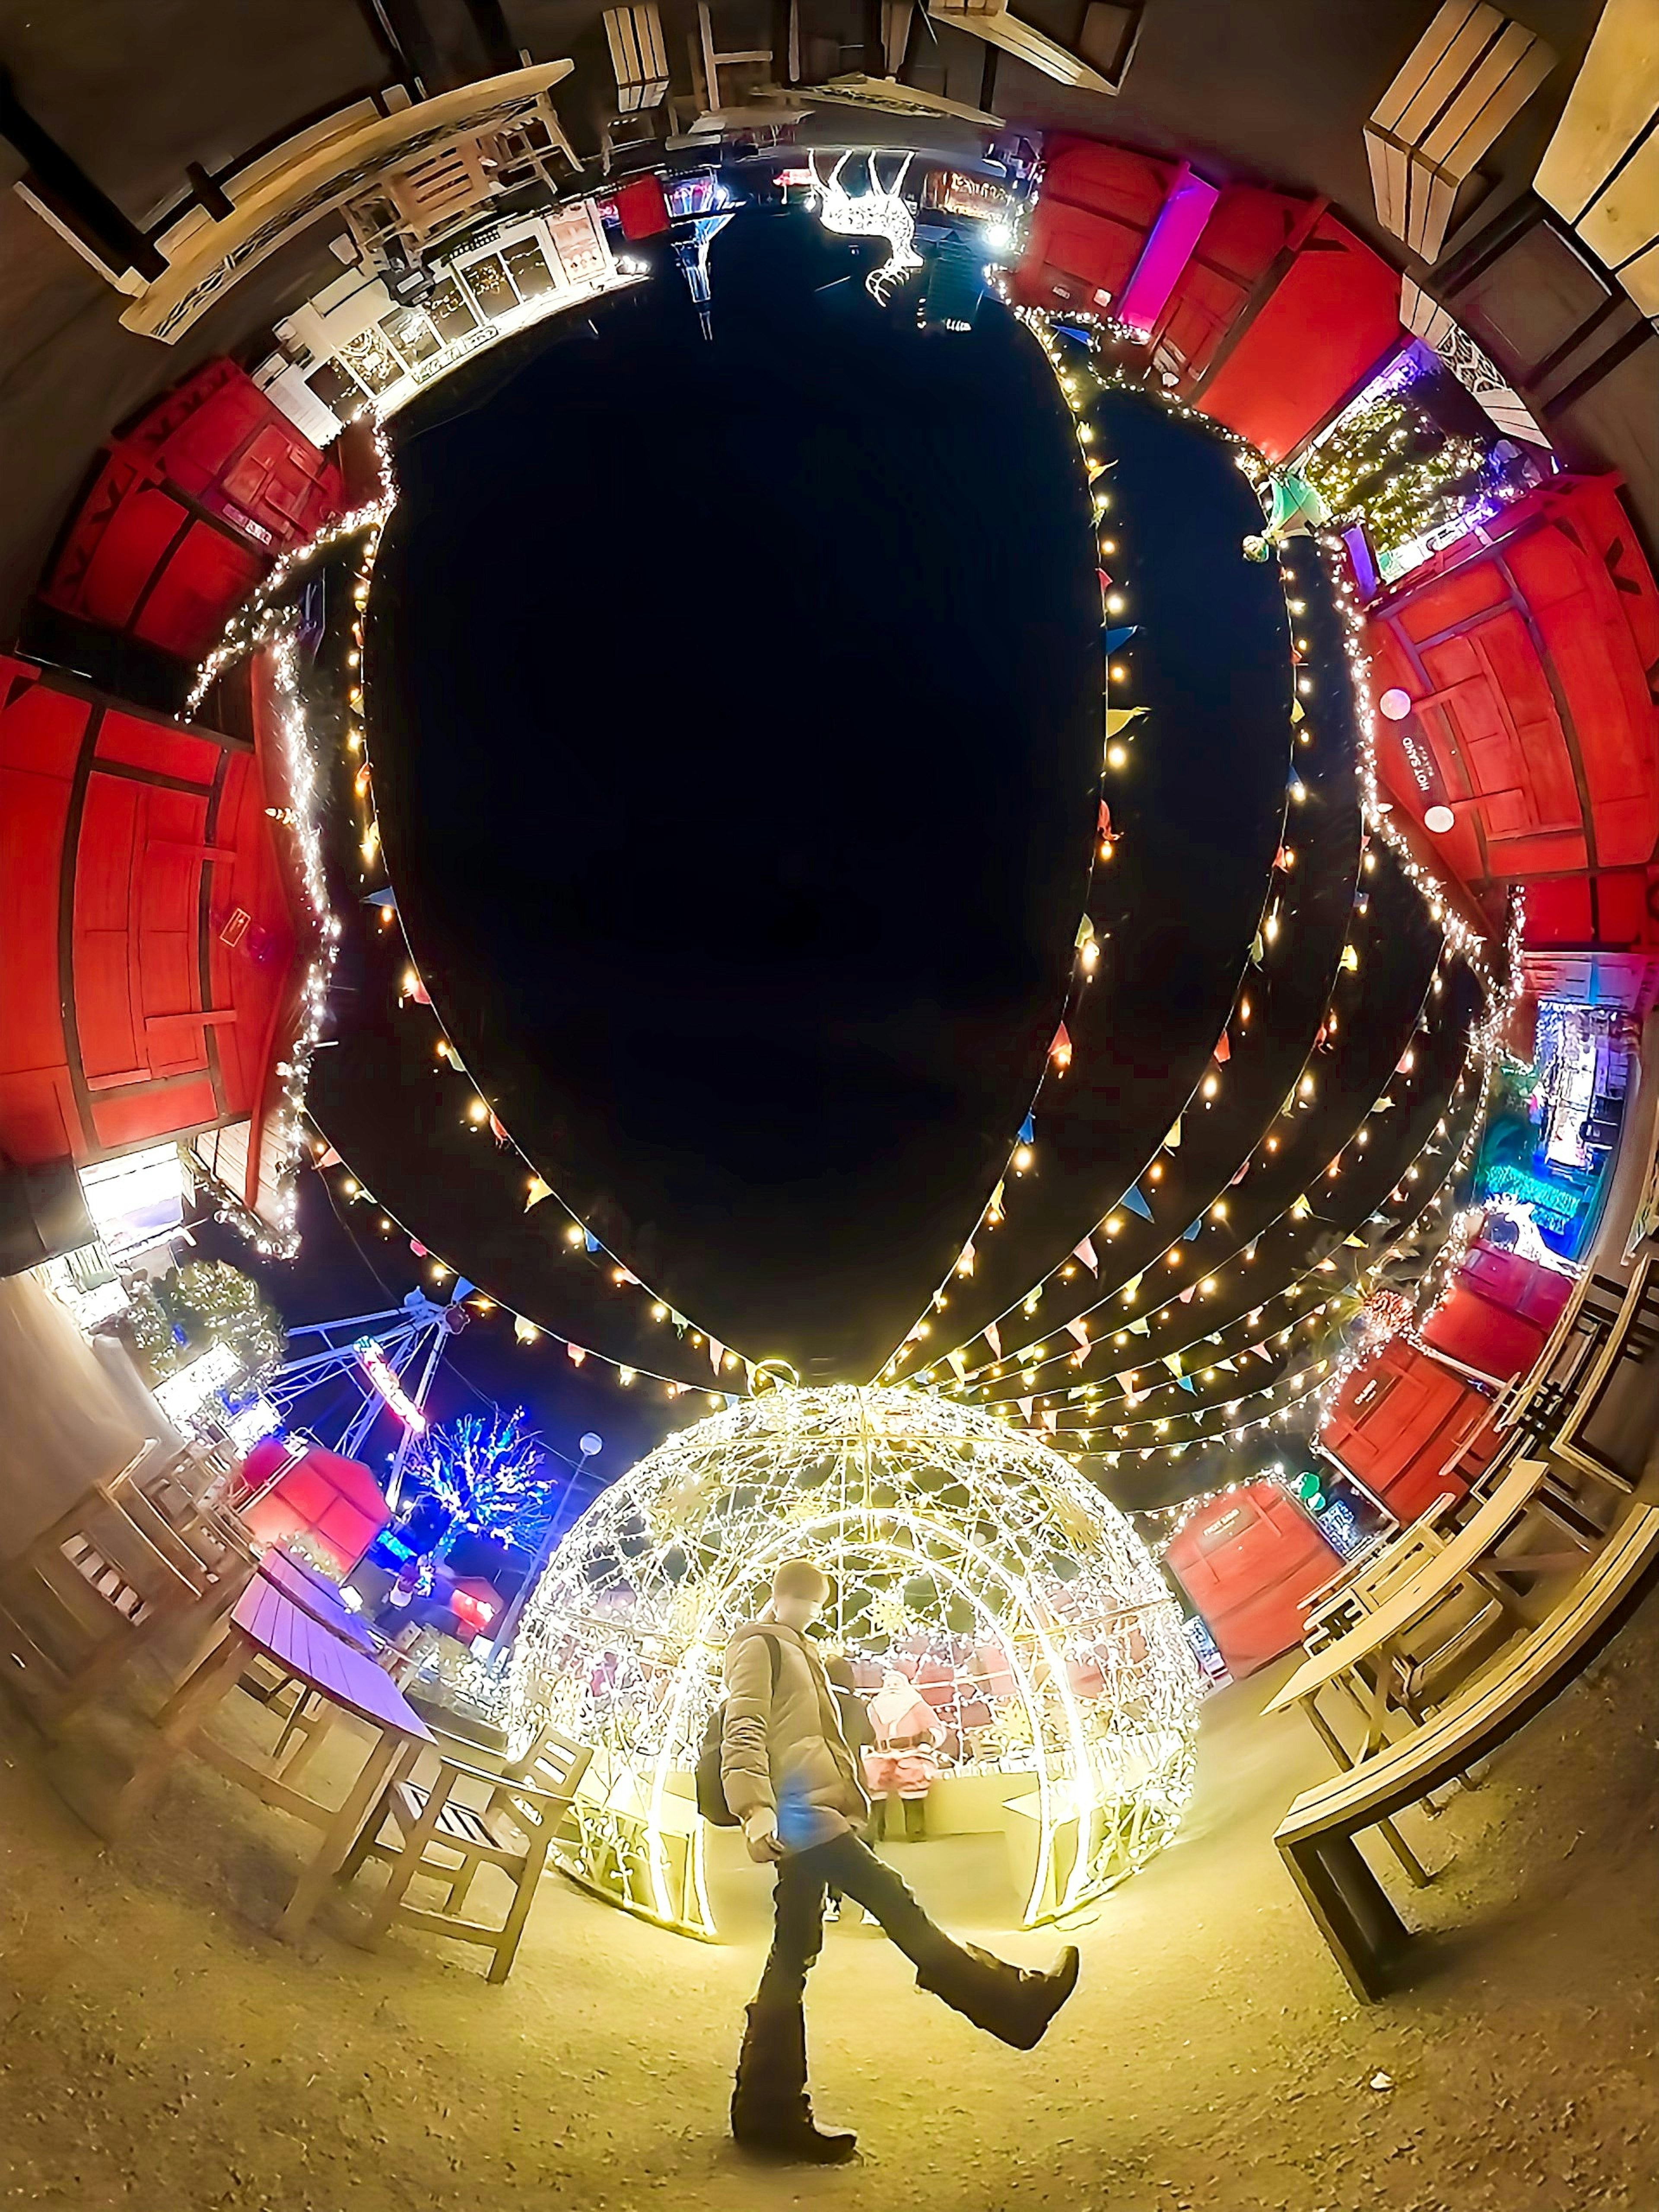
[[929, 1517]]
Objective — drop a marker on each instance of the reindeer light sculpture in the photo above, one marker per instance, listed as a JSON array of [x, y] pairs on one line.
[[874, 213]]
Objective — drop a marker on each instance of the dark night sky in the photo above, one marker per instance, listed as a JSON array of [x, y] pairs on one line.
[[736, 713]]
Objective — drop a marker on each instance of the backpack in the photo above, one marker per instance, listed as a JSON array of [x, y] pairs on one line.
[[711, 1790]]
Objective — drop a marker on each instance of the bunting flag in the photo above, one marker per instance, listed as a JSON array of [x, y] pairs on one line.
[[716, 1353], [1172, 1141], [385, 899], [327, 1158], [1048, 1418], [965, 1261], [1258, 950], [538, 1191], [1358, 1241], [1240, 1176], [1130, 1288], [496, 1129], [960, 1361], [1141, 1328], [1136, 1204], [1026, 1406], [463, 1289], [1078, 1329], [1186, 1384], [678, 1321], [1117, 638], [1104, 829], [1187, 1234], [526, 1331], [1027, 1133], [1126, 1379], [418, 1248], [993, 1338], [1189, 1294], [1172, 1361], [1060, 1050], [994, 1210], [591, 1241], [1223, 1050], [1300, 1208], [1118, 718], [1297, 714], [1085, 1251], [574, 1354]]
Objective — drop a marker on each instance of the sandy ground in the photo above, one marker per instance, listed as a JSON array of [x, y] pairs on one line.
[[160, 2048]]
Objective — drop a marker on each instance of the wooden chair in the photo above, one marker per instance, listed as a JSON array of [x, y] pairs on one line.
[[105, 1581], [439, 1837], [1316, 1839]]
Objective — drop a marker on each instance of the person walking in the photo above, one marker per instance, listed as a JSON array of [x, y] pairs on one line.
[[792, 1784]]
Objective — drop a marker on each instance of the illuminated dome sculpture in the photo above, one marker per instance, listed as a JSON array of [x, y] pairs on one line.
[[1032, 1615]]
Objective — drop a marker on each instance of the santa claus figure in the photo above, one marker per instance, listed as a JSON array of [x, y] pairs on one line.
[[900, 1767]]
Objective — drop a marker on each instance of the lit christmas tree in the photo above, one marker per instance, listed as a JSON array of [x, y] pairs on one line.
[[207, 1303], [489, 1475], [1386, 464]]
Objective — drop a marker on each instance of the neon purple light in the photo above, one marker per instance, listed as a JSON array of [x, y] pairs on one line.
[[1168, 248]]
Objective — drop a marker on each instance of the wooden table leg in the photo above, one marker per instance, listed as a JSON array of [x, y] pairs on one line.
[[342, 1829], [179, 1719], [1416, 1871]]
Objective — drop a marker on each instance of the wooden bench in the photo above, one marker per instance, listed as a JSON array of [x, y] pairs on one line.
[[106, 1580], [1317, 1838], [1629, 1339]]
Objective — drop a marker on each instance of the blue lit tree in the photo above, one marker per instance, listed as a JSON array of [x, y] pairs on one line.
[[488, 1473]]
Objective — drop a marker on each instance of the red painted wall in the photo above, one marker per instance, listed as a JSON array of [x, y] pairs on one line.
[[1248, 1562]]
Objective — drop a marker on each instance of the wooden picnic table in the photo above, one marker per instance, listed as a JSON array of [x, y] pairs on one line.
[[267, 1622], [314, 1594], [1360, 1662]]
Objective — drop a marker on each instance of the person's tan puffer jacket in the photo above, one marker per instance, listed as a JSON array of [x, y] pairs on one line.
[[787, 1746]]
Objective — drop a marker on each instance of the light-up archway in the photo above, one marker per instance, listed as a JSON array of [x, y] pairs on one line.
[[1051, 1640]]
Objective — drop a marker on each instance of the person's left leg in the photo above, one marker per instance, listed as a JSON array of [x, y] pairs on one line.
[[771, 2112], [1006, 2002], [916, 1819]]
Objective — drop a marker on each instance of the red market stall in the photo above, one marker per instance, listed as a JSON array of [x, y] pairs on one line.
[[1268, 312], [1248, 1561], [1513, 677], [187, 510], [157, 935], [330, 1507], [1404, 1425], [1500, 1312]]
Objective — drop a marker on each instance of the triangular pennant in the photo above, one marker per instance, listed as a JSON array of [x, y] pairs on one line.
[[1136, 1204], [1118, 638], [1118, 718], [1297, 714], [385, 899], [1048, 1418], [1026, 1406], [526, 1331], [1102, 828], [960, 1361], [1027, 1133], [1085, 1251], [1060, 1050], [1172, 1138], [1077, 1329], [1223, 1050], [1172, 1361], [1141, 1328], [538, 1191], [591, 1241], [965, 1259], [993, 1338], [1258, 950], [463, 1289], [1130, 1288], [1189, 1294], [716, 1353], [1126, 1379], [1188, 1233], [1186, 1384], [574, 1354]]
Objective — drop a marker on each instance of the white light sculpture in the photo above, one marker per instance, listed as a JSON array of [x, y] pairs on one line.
[[943, 1531], [874, 213]]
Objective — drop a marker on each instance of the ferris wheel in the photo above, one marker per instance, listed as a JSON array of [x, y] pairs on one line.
[[387, 1362]]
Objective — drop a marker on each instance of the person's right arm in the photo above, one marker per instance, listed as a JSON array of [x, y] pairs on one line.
[[745, 1770]]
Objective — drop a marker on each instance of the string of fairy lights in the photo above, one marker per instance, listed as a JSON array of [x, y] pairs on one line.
[[1094, 1401], [267, 622]]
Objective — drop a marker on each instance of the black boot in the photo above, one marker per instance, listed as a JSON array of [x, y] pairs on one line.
[[771, 2112], [1006, 2000], [916, 1819]]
